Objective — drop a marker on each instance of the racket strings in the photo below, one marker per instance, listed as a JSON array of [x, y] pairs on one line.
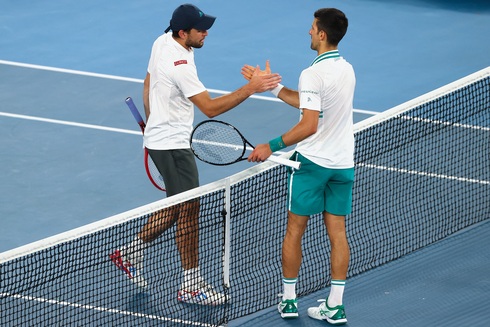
[[153, 173], [217, 143]]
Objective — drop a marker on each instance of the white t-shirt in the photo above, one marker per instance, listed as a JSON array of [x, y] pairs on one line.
[[173, 79], [328, 87]]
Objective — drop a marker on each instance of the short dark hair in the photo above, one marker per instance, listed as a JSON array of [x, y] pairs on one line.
[[175, 34], [333, 22]]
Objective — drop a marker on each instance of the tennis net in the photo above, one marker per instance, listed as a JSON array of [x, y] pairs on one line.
[[422, 173]]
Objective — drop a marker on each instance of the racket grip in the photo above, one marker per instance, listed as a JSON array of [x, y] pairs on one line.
[[134, 110], [136, 114], [285, 162]]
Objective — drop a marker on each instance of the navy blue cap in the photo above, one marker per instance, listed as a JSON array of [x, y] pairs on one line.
[[188, 16]]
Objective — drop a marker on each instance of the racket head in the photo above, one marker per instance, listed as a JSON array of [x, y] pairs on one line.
[[153, 174], [218, 143]]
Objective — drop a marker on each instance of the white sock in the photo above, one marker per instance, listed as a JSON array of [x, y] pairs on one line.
[[192, 278], [336, 292], [289, 288], [135, 249]]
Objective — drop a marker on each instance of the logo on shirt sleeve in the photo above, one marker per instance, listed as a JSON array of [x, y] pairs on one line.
[[180, 62]]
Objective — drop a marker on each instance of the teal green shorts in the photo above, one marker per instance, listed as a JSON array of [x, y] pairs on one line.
[[314, 189]]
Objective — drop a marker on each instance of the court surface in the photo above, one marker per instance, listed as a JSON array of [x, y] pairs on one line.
[[71, 152]]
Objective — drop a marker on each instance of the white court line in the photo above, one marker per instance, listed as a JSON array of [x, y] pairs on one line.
[[103, 128], [135, 80], [421, 173], [102, 309], [70, 71], [448, 123], [64, 122]]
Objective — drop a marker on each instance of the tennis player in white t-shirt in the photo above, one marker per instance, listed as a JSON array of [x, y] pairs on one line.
[[325, 147], [171, 90]]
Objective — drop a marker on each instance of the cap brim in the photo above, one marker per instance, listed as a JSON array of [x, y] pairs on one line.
[[205, 23]]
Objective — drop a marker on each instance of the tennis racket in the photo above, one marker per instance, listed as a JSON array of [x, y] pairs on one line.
[[219, 143], [151, 170]]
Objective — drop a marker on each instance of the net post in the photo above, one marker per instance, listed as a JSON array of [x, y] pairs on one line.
[[226, 253]]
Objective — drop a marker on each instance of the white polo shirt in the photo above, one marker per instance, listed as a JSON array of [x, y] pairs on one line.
[[328, 86], [173, 79]]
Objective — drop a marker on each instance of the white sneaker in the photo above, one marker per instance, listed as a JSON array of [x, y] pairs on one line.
[[203, 294], [131, 265], [335, 315], [288, 309]]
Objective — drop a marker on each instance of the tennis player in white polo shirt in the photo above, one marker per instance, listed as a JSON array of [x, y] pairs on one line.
[[325, 147]]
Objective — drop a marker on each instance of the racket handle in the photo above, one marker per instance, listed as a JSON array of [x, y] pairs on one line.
[[285, 162], [136, 113]]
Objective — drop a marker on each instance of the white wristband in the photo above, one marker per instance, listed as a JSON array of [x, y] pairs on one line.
[[277, 89]]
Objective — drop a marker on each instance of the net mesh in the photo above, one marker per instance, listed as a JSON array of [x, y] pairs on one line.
[[422, 173]]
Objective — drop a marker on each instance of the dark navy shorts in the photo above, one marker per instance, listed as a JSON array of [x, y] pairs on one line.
[[178, 169]]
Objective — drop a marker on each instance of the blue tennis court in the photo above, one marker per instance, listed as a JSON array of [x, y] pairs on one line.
[[72, 154]]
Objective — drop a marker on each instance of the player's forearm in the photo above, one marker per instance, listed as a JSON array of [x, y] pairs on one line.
[[224, 103], [289, 96], [306, 127]]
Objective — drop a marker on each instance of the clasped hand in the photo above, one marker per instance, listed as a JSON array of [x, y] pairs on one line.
[[261, 151]]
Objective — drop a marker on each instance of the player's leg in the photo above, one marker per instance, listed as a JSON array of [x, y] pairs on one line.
[[332, 310], [165, 161], [187, 234], [305, 197], [291, 246], [130, 258], [158, 223], [339, 255], [291, 263], [338, 204], [193, 288]]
